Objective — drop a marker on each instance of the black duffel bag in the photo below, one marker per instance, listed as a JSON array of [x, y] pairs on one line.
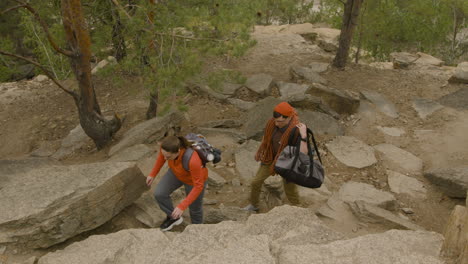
[[298, 167]]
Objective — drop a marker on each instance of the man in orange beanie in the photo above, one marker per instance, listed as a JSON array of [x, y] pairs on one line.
[[275, 139]]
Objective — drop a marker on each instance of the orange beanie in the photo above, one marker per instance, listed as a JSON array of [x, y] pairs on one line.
[[285, 109]]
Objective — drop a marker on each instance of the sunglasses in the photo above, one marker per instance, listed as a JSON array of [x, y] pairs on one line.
[[277, 115]]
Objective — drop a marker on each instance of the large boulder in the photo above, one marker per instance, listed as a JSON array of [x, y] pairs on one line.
[[45, 206], [306, 74], [260, 84], [402, 60], [321, 123], [149, 131], [394, 246], [343, 102], [461, 73], [289, 89], [456, 236], [426, 59], [76, 139], [398, 159], [246, 165], [452, 181], [124, 247], [257, 117], [226, 242], [286, 234]]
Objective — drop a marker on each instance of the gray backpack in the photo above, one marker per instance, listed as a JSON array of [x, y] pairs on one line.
[[205, 151]]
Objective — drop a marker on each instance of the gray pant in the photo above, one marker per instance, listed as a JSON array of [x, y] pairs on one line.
[[168, 184]]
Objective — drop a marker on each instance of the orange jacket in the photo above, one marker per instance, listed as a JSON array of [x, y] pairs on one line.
[[196, 177]]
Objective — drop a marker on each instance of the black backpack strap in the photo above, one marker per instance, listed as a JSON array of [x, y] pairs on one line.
[[309, 131], [186, 158]]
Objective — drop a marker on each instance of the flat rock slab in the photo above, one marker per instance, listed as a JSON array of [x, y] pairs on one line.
[[452, 181], [373, 214], [65, 201], [351, 192], [458, 99], [398, 159], [381, 102], [400, 183], [425, 107], [352, 152], [260, 83], [456, 241], [343, 102], [391, 131], [321, 123], [319, 67], [306, 74], [124, 247], [427, 59], [289, 89], [134, 153], [394, 246]]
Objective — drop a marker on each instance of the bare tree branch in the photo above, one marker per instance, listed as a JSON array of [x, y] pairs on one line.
[[46, 72], [11, 9], [44, 27], [185, 37]]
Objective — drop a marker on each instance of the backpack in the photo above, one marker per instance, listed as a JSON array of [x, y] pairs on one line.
[[298, 167], [205, 151]]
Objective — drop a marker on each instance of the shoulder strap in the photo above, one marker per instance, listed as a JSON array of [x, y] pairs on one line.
[[309, 131], [291, 138], [186, 158]]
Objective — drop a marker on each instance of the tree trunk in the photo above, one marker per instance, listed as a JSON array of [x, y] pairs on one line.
[[153, 106], [350, 20], [93, 123]]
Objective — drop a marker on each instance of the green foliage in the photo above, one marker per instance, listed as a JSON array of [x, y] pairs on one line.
[[170, 51], [283, 11], [397, 25], [7, 68], [36, 41]]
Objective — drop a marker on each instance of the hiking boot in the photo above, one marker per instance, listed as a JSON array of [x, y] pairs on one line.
[[169, 223], [250, 208]]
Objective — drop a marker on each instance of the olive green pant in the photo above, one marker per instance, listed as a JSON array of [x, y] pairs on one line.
[[256, 186]]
